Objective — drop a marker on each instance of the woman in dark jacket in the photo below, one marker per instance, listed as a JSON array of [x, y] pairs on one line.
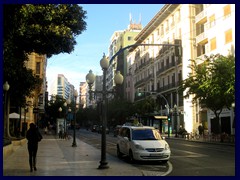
[[33, 136]]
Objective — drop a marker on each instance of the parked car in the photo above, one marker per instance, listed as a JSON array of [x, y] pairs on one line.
[[116, 130], [143, 143], [100, 130], [95, 128]]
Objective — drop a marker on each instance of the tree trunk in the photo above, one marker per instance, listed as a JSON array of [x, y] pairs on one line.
[[7, 116]]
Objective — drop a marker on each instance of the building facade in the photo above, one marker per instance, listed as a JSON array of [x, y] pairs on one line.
[[182, 32], [120, 39], [35, 109]]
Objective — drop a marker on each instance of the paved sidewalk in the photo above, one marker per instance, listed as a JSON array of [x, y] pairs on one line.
[[57, 157]]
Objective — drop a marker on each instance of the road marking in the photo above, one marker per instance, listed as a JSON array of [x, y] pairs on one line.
[[158, 173], [170, 168], [190, 154]]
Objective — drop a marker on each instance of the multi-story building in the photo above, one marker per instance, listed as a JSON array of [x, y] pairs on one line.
[[120, 39], [63, 86], [37, 63], [83, 94], [212, 18], [160, 68]]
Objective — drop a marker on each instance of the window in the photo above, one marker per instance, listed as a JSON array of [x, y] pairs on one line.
[[213, 44], [59, 80], [180, 33], [37, 67], [158, 32], [172, 24], [167, 26], [227, 10], [228, 36], [145, 134], [211, 20], [152, 39], [173, 78], [178, 16], [162, 30]]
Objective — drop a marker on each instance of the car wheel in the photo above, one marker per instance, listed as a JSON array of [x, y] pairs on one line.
[[131, 158], [119, 154]]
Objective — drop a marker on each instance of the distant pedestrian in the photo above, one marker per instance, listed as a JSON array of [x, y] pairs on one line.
[[200, 130], [46, 130], [33, 136], [60, 134]]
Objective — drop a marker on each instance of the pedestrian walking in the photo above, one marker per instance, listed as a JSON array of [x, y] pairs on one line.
[[46, 130], [33, 136], [60, 135]]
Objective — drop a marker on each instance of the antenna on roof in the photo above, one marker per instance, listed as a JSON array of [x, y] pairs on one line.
[[140, 19], [130, 18]]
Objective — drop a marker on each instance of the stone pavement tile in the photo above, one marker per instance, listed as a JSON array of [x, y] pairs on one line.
[[57, 157]]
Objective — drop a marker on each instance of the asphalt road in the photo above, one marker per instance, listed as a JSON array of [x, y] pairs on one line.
[[187, 158], [201, 159]]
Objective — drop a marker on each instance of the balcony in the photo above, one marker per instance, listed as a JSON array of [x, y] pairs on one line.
[[201, 17], [202, 38]]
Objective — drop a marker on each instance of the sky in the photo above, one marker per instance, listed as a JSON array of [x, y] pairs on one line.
[[102, 21]]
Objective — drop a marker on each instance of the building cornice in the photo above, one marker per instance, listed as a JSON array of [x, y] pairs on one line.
[[155, 22]]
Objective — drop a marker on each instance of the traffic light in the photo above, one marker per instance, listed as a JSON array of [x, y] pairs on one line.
[[169, 119], [139, 92]]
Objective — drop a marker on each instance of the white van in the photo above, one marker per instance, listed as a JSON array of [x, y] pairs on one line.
[[142, 143]]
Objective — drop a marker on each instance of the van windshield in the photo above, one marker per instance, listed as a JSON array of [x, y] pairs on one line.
[[146, 134]]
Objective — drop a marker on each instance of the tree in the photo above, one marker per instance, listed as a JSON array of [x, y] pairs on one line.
[[119, 110], [212, 83], [46, 29], [43, 28]]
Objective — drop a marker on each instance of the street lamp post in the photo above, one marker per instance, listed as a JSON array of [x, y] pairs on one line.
[[5, 89], [74, 144], [60, 110], [233, 106], [65, 108], [175, 114], [90, 78], [67, 111]]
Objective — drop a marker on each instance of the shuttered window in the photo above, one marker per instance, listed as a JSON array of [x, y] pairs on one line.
[[212, 20], [227, 10], [228, 36], [213, 44]]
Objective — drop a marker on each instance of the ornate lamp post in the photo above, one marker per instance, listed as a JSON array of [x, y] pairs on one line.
[[67, 111], [65, 108], [174, 112], [233, 106], [90, 78], [5, 89], [59, 110], [74, 144]]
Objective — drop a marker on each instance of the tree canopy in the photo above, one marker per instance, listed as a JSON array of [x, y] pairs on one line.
[[46, 29], [212, 82]]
